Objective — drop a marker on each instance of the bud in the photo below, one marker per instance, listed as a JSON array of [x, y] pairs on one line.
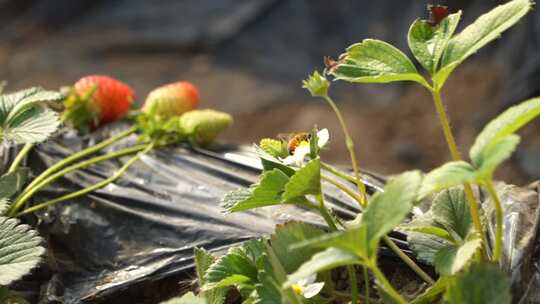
[[317, 85]]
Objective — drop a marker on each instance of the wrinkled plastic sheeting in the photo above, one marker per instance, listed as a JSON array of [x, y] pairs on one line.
[[520, 252], [146, 225]]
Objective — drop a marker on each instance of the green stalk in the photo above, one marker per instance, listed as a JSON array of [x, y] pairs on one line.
[[350, 146], [405, 258], [338, 173], [388, 288], [366, 283], [92, 188], [456, 156], [79, 155], [497, 252], [20, 156], [28, 194], [333, 227], [343, 188]]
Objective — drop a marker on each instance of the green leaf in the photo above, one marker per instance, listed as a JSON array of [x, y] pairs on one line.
[[268, 290], [289, 234], [432, 294], [12, 182], [305, 181], [233, 268], [481, 283], [23, 120], [203, 261], [448, 175], [389, 208], [351, 240], [496, 154], [453, 258], [4, 205], [485, 29], [428, 42], [188, 298], [20, 250], [375, 61], [505, 124], [451, 210], [266, 193], [425, 245], [435, 231], [325, 260]]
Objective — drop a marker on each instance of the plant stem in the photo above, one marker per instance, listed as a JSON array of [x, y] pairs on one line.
[[405, 258], [366, 283], [350, 146], [456, 156], [20, 157], [51, 178], [388, 288], [333, 227], [343, 188], [338, 173], [497, 252], [92, 188], [79, 155]]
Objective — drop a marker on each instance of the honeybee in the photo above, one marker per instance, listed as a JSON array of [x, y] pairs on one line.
[[294, 139]]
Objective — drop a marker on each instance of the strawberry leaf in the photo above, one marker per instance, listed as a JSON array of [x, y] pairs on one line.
[[485, 29], [448, 175], [12, 182], [433, 292], [4, 205], [266, 193], [375, 61], [451, 210], [505, 124], [20, 250], [203, 261], [307, 180], [451, 259], [231, 269], [426, 245], [496, 154], [427, 42], [289, 234], [481, 283], [24, 120], [325, 260]]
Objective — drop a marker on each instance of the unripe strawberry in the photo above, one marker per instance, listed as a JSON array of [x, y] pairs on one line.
[[172, 99], [98, 100], [202, 126]]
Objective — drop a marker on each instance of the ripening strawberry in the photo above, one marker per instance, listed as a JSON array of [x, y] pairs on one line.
[[172, 99], [97, 100]]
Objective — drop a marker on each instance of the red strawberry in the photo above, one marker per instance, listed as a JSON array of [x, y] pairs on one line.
[[98, 100], [172, 99]]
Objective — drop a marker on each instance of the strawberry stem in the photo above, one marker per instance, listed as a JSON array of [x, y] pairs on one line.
[[92, 188], [66, 161], [20, 156]]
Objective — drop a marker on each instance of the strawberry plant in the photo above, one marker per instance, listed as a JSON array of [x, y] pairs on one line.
[[293, 265]]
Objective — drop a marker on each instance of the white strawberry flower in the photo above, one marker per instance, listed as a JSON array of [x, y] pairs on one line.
[[303, 149], [307, 287]]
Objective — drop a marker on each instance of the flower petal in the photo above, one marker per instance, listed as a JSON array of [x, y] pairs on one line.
[[313, 289]]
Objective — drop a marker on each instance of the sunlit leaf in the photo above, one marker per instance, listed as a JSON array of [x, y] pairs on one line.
[[307, 180], [20, 250], [446, 176], [485, 29], [427, 42], [375, 61]]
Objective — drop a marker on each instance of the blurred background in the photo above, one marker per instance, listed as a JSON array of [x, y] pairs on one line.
[[248, 57]]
